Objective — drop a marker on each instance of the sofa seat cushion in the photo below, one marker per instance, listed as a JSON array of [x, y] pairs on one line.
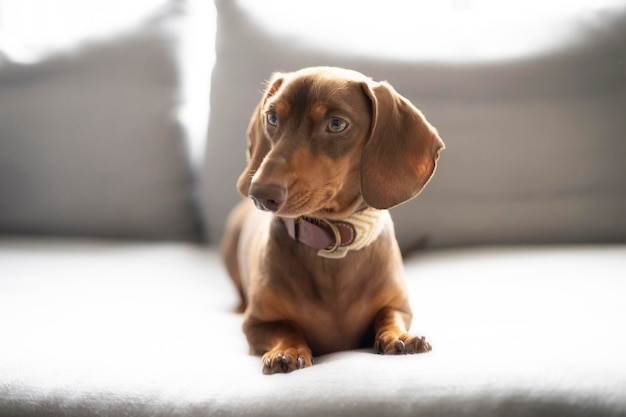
[[94, 328]]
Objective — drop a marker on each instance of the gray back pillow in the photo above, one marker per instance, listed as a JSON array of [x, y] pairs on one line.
[[90, 144]]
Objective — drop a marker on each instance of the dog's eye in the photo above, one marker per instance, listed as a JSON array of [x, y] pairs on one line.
[[271, 118], [337, 125]]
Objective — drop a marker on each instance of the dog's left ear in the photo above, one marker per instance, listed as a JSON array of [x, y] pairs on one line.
[[401, 154], [258, 142]]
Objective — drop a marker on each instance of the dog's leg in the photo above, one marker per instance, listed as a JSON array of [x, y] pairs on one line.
[[282, 344], [229, 251], [229, 247], [392, 336]]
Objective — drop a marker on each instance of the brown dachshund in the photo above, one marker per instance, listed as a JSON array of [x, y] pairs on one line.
[[317, 265]]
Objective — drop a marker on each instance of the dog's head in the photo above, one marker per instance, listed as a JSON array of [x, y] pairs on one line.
[[326, 141]]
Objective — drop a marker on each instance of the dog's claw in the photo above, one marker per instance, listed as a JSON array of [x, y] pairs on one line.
[[421, 345], [286, 361], [401, 344]]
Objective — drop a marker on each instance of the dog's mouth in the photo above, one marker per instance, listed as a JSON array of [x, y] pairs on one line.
[[283, 201], [305, 204], [327, 202], [329, 206], [340, 212]]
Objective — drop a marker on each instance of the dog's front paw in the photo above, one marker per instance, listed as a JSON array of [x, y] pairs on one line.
[[287, 360], [390, 343]]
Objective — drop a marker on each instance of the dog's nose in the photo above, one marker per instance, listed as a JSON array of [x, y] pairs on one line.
[[268, 197]]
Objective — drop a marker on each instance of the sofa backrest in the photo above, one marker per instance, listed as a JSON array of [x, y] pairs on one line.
[[534, 142], [90, 139]]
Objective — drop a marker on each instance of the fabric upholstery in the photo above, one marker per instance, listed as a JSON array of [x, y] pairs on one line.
[[90, 143], [108, 329]]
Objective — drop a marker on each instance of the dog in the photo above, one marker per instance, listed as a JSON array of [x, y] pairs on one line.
[[312, 249]]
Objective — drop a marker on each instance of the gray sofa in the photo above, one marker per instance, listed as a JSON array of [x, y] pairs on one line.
[[113, 195]]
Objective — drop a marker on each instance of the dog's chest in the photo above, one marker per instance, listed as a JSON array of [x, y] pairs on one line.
[[333, 301], [335, 311], [330, 329]]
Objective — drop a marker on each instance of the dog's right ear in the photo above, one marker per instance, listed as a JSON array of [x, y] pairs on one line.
[[402, 152], [258, 143]]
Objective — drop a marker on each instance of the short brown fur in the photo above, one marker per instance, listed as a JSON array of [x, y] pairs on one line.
[[297, 304]]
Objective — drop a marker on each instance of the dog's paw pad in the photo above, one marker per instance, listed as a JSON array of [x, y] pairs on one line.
[[400, 344], [418, 345], [278, 361]]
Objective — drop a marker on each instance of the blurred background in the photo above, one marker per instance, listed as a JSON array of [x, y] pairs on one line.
[[32, 31]]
